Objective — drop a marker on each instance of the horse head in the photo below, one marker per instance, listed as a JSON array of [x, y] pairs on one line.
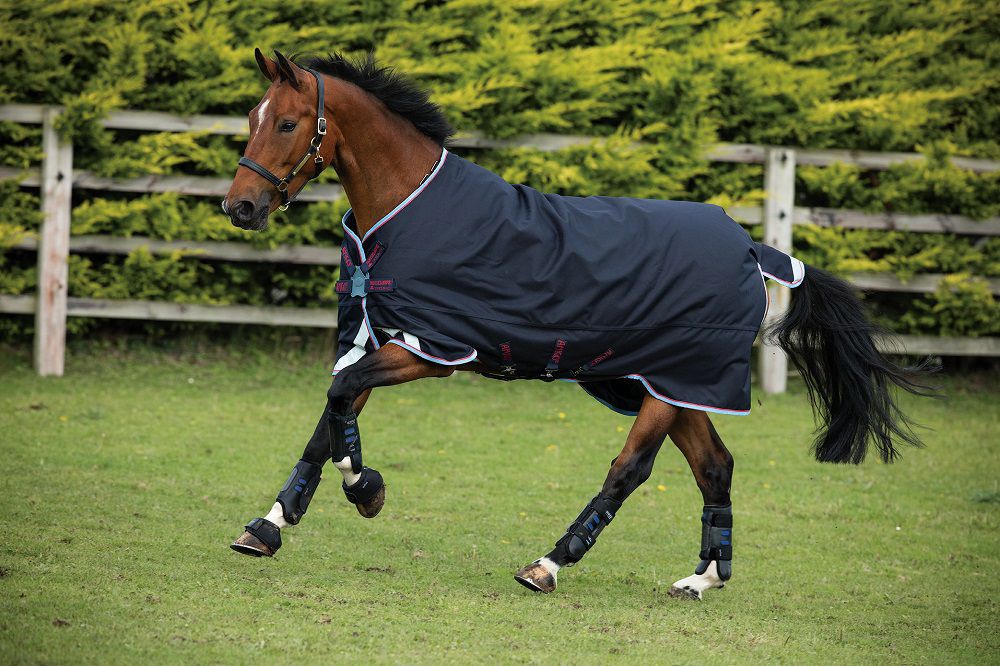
[[290, 143]]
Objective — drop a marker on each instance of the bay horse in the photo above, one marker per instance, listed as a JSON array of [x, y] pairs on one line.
[[650, 306]]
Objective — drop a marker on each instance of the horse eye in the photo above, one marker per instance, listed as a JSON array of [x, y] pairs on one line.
[[287, 126]]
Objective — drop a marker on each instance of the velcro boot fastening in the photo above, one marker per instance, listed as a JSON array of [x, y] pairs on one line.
[[365, 488], [717, 540], [345, 439], [297, 492], [582, 534], [266, 531]]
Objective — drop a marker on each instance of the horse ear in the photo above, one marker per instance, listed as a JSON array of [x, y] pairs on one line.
[[267, 67], [286, 69]]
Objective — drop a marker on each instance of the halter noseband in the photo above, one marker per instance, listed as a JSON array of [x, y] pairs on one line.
[[282, 183]]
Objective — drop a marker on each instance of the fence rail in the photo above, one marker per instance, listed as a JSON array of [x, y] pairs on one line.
[[203, 186], [918, 345], [313, 255], [158, 311], [744, 153], [56, 178]]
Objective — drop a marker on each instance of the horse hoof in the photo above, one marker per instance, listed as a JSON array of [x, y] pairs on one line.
[[685, 593], [248, 544], [371, 508], [693, 586], [536, 578]]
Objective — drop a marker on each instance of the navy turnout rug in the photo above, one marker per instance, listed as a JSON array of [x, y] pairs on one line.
[[624, 296]]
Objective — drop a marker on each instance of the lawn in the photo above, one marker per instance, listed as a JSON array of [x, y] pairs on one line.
[[125, 481]]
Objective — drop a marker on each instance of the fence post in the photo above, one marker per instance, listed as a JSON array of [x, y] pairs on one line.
[[779, 182], [53, 249]]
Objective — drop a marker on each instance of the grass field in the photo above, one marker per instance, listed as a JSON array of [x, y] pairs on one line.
[[125, 481]]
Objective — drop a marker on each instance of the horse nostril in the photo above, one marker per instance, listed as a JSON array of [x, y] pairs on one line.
[[243, 210]]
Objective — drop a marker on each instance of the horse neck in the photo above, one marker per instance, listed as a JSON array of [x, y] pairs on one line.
[[381, 159]]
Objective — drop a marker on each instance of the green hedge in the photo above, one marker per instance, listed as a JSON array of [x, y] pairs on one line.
[[677, 76]]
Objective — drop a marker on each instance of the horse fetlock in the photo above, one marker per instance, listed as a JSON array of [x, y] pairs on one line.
[[581, 536], [367, 493], [716, 540], [295, 495], [345, 439], [262, 538], [694, 586]]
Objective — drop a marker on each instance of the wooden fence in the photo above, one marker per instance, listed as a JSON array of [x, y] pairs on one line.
[[56, 180]]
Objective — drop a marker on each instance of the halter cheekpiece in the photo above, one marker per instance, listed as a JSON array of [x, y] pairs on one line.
[[314, 144]]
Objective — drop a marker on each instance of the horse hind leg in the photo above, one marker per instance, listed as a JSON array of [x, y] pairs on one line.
[[628, 471], [712, 465]]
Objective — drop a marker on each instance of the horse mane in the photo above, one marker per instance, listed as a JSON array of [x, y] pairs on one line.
[[401, 95]]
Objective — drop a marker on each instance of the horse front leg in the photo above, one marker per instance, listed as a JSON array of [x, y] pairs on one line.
[[712, 465], [628, 471], [337, 436]]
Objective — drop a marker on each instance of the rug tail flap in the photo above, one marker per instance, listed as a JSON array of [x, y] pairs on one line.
[[780, 267]]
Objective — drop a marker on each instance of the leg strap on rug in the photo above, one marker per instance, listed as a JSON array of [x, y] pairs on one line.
[[266, 531], [345, 439], [297, 492], [717, 540], [365, 488], [582, 534]]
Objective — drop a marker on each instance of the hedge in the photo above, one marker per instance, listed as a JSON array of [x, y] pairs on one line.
[[676, 76]]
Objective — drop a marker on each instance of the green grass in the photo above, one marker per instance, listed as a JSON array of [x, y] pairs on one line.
[[125, 481]]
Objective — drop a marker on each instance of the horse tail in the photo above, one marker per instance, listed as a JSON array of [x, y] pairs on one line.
[[830, 340]]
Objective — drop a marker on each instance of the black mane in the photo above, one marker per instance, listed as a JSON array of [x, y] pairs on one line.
[[394, 90]]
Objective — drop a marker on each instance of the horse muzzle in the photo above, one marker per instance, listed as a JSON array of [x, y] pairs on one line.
[[247, 214]]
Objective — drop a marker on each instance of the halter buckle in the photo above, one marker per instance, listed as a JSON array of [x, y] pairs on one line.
[[282, 185], [318, 159], [321, 125]]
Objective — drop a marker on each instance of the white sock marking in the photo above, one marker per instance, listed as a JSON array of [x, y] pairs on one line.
[[700, 583], [550, 566], [277, 516], [350, 478]]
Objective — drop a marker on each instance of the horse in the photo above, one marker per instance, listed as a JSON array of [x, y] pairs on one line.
[[650, 306]]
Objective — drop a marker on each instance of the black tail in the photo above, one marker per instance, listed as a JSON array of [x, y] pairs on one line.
[[829, 338]]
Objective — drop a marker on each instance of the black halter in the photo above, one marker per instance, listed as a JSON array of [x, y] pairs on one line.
[[314, 144]]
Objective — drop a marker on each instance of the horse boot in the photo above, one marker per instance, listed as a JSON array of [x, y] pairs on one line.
[[716, 556], [262, 537], [580, 537], [363, 486]]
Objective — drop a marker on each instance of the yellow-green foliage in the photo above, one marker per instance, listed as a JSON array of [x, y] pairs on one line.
[[676, 75]]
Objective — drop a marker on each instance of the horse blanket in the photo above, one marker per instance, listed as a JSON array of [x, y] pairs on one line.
[[624, 296]]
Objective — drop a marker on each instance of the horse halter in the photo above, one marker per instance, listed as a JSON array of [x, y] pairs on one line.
[[282, 183]]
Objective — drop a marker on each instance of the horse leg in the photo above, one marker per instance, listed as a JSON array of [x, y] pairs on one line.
[[628, 471], [337, 436], [263, 536], [712, 464]]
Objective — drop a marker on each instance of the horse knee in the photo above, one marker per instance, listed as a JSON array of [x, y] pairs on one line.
[[628, 473], [715, 478], [340, 396], [642, 469]]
